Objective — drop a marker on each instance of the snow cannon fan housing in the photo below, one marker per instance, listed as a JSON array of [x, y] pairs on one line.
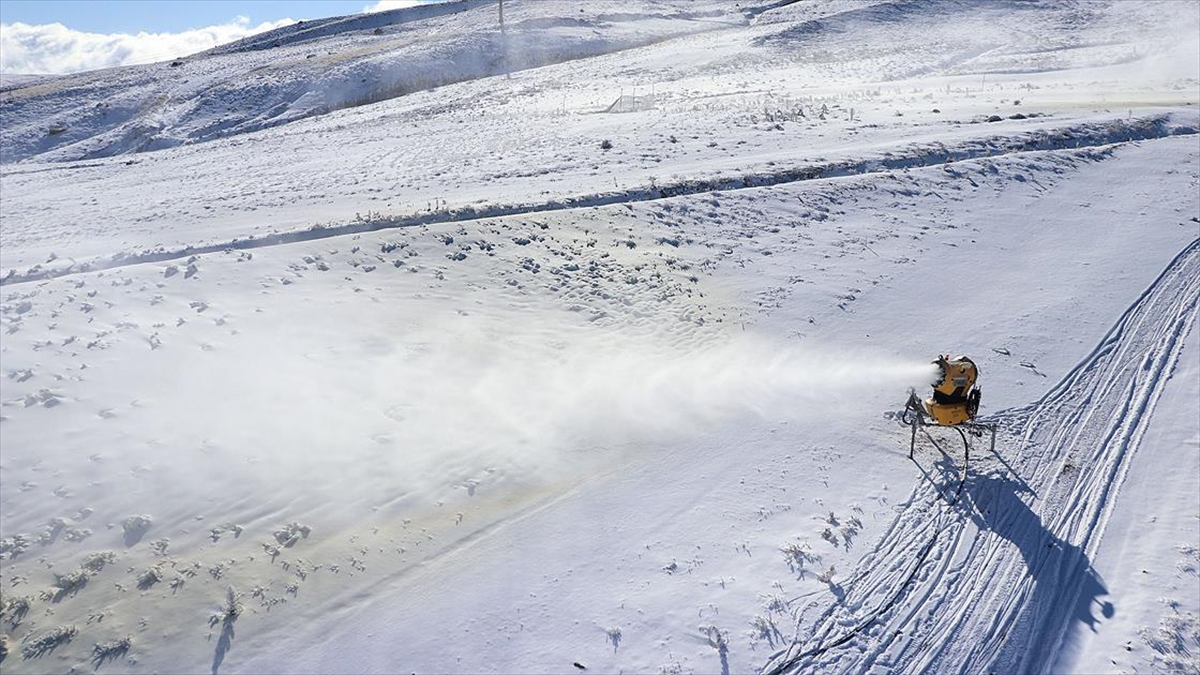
[[955, 398], [954, 404]]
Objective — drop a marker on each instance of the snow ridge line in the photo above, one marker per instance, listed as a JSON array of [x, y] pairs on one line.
[[1097, 139], [986, 607]]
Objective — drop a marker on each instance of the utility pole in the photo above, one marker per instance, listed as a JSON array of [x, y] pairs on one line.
[[504, 43]]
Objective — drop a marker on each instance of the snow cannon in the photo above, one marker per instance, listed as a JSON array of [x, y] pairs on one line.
[[955, 398], [954, 403]]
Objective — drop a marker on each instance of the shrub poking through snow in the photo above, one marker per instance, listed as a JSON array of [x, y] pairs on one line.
[[763, 628], [827, 576], [797, 556], [95, 562], [291, 533], [48, 641], [1176, 643], [717, 639], [149, 577], [69, 583], [229, 611], [135, 525], [15, 609], [111, 650]]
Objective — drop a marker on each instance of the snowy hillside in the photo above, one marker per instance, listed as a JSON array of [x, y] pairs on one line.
[[312, 68], [401, 343]]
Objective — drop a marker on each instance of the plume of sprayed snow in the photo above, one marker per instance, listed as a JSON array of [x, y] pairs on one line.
[[428, 411], [517, 407], [628, 392]]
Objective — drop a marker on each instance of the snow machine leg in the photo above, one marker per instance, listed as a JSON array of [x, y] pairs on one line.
[[914, 413], [917, 422], [966, 453], [912, 444], [977, 430]]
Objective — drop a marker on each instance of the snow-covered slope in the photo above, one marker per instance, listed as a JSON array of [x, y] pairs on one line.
[[581, 345], [532, 139], [312, 68]]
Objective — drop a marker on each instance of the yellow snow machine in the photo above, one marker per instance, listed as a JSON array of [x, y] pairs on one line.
[[955, 403]]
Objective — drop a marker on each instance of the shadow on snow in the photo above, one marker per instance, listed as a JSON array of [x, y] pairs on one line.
[[1067, 590]]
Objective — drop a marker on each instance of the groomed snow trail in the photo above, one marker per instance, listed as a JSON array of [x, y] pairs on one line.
[[992, 573]]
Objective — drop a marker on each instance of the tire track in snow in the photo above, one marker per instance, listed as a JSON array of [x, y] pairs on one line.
[[1007, 573], [1094, 137]]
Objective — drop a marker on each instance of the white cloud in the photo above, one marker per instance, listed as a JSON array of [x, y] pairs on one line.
[[385, 5], [55, 49]]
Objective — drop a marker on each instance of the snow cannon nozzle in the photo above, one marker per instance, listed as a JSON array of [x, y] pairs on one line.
[[955, 398]]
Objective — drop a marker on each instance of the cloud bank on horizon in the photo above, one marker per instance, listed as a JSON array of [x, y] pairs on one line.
[[55, 49]]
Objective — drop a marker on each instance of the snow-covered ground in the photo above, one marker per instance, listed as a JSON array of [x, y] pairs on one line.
[[397, 343]]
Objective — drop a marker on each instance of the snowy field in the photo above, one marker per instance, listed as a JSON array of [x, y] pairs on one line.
[[396, 343]]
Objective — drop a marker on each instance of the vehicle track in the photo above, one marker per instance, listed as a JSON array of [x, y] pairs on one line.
[[997, 579]]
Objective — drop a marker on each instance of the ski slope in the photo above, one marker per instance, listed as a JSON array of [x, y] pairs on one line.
[[958, 532], [350, 348]]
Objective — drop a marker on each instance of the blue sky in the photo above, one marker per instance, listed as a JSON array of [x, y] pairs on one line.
[[67, 36], [172, 16]]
